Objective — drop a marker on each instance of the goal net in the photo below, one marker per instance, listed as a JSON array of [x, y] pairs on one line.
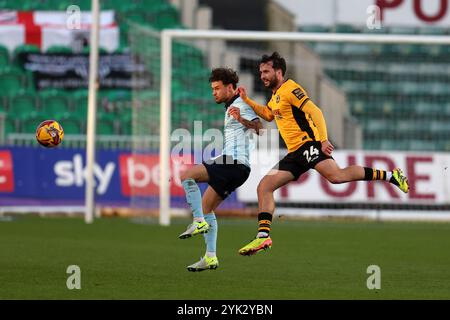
[[385, 99]]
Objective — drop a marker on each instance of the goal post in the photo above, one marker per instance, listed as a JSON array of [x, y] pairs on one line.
[[166, 94], [91, 116], [166, 59]]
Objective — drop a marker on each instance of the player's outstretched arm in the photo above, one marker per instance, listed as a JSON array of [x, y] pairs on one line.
[[262, 111], [319, 120]]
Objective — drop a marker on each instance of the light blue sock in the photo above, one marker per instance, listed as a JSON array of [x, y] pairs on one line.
[[193, 197], [211, 236]]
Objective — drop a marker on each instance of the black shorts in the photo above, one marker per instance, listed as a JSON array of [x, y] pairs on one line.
[[304, 158], [226, 174]]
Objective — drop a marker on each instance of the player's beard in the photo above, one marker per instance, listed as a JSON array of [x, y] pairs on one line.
[[273, 83], [221, 100], [224, 99]]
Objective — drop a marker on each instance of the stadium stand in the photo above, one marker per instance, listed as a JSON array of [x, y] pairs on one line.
[[23, 103], [411, 84], [375, 92]]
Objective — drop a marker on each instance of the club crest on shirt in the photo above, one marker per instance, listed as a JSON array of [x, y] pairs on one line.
[[277, 99]]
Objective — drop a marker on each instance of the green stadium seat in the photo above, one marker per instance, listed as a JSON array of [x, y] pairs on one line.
[[422, 109], [9, 4], [162, 16], [9, 126], [177, 87], [70, 124], [24, 48], [85, 5], [328, 48], [136, 15], [350, 86], [29, 123], [197, 78], [379, 125], [372, 144], [125, 126], [182, 50], [12, 81], [28, 79], [356, 49], [121, 6], [201, 89], [59, 49], [438, 31], [399, 49], [104, 114], [387, 108], [23, 105], [87, 49], [446, 109], [440, 127], [126, 112], [421, 145], [390, 145], [437, 88], [313, 28], [381, 30], [105, 127], [406, 126], [114, 99], [183, 95], [149, 95], [31, 5], [444, 51], [79, 107], [402, 30], [53, 102], [396, 52], [346, 28], [4, 56], [122, 49], [357, 107], [408, 88], [125, 129], [4, 102], [79, 104], [444, 145], [431, 50], [43, 5]]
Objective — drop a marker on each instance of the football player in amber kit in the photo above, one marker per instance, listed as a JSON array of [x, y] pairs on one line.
[[302, 127]]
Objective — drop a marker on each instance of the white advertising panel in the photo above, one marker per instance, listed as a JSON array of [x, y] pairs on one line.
[[428, 175]]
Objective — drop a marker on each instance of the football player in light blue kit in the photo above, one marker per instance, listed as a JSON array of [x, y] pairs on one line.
[[224, 173]]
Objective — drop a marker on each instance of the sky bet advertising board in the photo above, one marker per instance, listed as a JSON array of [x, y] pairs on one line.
[[38, 176]]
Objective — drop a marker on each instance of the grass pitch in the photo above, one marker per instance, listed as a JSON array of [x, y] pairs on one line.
[[121, 259]]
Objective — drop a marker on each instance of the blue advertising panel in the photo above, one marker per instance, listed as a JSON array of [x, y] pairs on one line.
[[40, 176]]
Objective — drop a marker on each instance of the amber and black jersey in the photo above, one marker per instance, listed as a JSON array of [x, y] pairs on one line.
[[298, 119]]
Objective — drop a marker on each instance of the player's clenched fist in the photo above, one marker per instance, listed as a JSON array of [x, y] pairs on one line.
[[234, 112], [242, 92], [327, 147]]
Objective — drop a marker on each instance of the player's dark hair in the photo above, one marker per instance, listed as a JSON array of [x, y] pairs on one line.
[[278, 61], [226, 75]]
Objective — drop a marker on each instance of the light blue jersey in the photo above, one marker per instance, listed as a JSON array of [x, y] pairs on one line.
[[237, 142]]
